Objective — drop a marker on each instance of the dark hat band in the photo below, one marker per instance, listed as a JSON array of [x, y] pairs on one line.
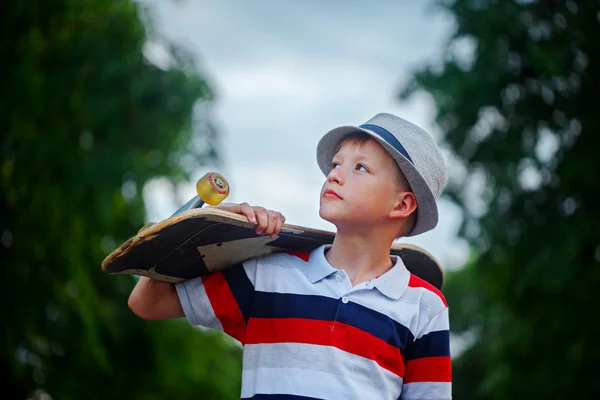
[[389, 138]]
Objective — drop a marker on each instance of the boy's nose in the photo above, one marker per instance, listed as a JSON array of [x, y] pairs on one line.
[[335, 176]]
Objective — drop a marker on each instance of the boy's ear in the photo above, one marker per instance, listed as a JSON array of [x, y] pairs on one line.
[[405, 205]]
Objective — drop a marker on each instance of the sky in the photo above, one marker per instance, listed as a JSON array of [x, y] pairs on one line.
[[285, 73]]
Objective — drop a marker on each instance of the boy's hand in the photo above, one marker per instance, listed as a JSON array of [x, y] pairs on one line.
[[269, 222]]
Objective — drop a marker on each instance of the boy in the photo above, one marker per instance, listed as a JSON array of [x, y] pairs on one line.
[[344, 321]]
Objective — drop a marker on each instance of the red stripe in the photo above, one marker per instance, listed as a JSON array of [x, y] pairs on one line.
[[429, 369], [300, 254], [224, 305], [325, 333], [415, 281]]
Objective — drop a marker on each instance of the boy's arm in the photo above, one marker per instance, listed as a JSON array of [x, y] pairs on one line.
[[152, 299], [428, 373]]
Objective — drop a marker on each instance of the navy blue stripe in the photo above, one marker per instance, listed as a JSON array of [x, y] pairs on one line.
[[434, 344], [241, 288], [377, 324], [279, 397], [282, 305], [389, 138]]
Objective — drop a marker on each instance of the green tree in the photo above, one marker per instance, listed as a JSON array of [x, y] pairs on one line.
[[86, 121], [516, 96]]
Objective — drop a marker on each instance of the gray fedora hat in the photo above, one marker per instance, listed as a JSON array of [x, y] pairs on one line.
[[415, 151]]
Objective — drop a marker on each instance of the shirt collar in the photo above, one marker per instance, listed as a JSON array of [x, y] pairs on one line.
[[395, 281], [317, 266], [392, 284]]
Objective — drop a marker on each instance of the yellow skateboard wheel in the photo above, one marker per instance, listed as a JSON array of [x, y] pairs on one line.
[[212, 188]]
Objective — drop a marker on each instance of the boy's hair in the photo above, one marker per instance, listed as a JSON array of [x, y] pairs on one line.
[[401, 181]]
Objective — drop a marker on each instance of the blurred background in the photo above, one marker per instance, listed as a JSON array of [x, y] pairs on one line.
[[111, 110]]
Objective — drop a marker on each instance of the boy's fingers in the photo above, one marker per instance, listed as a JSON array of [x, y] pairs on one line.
[[247, 211], [261, 218], [272, 223], [268, 222], [280, 219]]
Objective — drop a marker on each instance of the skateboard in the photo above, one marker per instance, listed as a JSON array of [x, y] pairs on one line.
[[197, 241]]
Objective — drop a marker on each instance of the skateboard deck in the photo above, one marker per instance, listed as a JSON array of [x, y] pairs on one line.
[[199, 241]]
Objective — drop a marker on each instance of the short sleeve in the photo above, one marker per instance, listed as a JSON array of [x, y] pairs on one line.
[[221, 300], [428, 373]]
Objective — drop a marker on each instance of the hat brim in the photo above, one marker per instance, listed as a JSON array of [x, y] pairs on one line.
[[427, 213]]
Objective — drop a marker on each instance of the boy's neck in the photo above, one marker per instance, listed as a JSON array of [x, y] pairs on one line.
[[363, 257]]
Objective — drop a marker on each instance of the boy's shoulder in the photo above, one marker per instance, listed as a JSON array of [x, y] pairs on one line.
[[431, 299]]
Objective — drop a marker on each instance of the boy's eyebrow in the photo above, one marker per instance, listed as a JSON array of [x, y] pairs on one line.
[[359, 157], [364, 157]]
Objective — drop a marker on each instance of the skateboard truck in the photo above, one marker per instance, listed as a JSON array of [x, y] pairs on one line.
[[212, 189]]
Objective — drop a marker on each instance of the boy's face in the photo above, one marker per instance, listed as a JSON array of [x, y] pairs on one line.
[[362, 187]]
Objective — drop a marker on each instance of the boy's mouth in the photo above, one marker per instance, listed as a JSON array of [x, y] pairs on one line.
[[330, 193]]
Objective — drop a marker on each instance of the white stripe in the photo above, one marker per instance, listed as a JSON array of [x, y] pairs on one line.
[[427, 391], [309, 383], [195, 303], [363, 371]]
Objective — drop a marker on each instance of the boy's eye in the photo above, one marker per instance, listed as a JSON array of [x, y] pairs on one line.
[[361, 168], [334, 165]]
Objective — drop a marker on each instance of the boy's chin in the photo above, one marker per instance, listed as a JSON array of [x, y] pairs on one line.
[[325, 214], [330, 215]]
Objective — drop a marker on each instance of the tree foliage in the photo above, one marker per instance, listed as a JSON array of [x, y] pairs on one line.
[[516, 98], [86, 121]]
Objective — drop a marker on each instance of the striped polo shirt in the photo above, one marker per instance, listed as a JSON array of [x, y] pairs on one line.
[[309, 334]]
